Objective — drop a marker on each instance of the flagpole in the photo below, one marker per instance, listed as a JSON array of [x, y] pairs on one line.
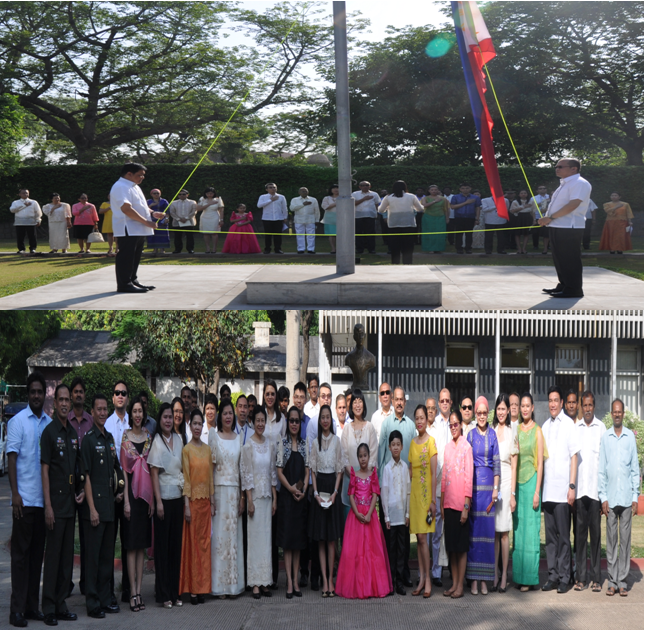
[[345, 253]]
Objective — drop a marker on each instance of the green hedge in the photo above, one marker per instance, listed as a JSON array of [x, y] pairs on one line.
[[245, 183], [101, 377]]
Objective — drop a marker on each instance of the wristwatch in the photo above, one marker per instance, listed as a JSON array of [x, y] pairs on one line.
[[572, 486], [466, 507]]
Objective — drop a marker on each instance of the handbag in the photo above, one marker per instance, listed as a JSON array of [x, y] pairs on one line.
[[95, 237]]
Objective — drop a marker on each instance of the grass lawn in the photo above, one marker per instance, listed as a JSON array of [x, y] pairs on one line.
[[19, 273]]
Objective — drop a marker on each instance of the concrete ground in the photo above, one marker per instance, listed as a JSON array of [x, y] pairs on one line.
[[224, 287], [512, 610]]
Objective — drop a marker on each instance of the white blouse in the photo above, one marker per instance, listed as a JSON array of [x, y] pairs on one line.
[[258, 468], [169, 461], [401, 210], [330, 458], [350, 440], [226, 459], [59, 214]]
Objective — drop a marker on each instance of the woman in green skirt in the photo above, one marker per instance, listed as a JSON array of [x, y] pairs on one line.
[[435, 219], [526, 501]]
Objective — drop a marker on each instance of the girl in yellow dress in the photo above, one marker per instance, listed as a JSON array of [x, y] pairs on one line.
[[422, 458]]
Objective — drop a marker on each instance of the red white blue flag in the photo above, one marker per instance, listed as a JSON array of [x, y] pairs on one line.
[[476, 49]]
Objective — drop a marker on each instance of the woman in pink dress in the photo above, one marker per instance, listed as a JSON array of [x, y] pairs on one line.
[[364, 570], [241, 238]]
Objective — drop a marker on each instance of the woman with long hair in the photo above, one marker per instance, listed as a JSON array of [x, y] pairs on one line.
[[435, 221], [179, 426], [212, 219], [402, 208]]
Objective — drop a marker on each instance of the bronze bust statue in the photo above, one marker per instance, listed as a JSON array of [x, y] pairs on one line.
[[360, 360]]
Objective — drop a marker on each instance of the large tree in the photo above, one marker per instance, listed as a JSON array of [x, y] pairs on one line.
[[104, 76], [11, 133]]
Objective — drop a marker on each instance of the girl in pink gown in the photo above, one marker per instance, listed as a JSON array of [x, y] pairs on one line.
[[241, 238], [364, 570]]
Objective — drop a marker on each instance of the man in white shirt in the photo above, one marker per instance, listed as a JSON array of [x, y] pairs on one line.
[[366, 203], [565, 220], [274, 217], [27, 216], [306, 215], [438, 430], [589, 431], [131, 223], [312, 406], [539, 203], [183, 211], [117, 424], [590, 220], [493, 223], [385, 411], [559, 486]]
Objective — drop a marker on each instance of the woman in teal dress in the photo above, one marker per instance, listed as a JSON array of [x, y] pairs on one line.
[[526, 503], [435, 219]]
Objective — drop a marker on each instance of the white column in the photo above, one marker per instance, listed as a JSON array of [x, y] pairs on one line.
[[497, 360], [380, 368], [292, 349]]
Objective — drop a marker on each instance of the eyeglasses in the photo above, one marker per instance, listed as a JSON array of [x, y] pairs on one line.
[[454, 425], [384, 392], [467, 407], [294, 421], [445, 400], [120, 392], [482, 413]]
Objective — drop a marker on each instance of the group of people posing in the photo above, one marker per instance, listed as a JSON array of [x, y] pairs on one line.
[[225, 487], [431, 218]]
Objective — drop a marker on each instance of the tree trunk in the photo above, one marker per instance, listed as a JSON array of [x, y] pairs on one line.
[[635, 153], [306, 322]]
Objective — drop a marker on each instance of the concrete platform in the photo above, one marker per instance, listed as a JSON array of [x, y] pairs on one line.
[[225, 287], [394, 286]]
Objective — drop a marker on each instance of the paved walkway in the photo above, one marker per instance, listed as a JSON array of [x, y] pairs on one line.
[[224, 287], [512, 610]]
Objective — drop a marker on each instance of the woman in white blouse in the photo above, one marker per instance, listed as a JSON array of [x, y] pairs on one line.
[[326, 515], [212, 219], [329, 218], [60, 221], [165, 462], [258, 480], [359, 431], [402, 207], [227, 559], [508, 449]]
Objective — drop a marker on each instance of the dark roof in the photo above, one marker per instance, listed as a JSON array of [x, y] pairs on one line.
[[73, 348]]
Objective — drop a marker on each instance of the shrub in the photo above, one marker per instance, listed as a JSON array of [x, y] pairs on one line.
[[101, 377]]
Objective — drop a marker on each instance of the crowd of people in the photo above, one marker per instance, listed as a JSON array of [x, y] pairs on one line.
[[432, 218], [223, 487]]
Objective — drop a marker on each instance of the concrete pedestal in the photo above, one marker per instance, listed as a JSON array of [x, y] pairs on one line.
[[391, 286]]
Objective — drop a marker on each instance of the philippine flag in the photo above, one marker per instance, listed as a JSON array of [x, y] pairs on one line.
[[476, 49]]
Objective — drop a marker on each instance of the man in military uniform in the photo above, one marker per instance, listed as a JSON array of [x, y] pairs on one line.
[[59, 458], [100, 463]]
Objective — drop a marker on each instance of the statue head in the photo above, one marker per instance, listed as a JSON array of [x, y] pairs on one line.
[[359, 334]]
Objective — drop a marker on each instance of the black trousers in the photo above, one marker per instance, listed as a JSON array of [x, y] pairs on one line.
[[273, 230], [398, 534], [464, 226], [362, 227], [179, 238], [535, 237], [450, 228], [118, 529], [59, 562], [79, 519], [30, 232], [99, 564], [588, 519], [587, 233], [491, 231], [126, 263], [385, 231], [557, 541], [566, 254], [402, 244], [168, 550], [27, 550], [418, 222]]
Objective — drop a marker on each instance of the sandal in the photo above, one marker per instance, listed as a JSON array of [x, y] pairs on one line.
[[580, 586], [134, 607], [179, 603], [142, 606], [611, 591], [457, 595], [167, 604], [596, 587], [623, 592], [524, 589]]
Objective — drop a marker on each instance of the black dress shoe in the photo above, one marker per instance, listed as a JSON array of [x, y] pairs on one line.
[[66, 616], [298, 594], [548, 586], [279, 251], [36, 615], [400, 590], [437, 582], [148, 288], [303, 581], [254, 595], [289, 595], [562, 588], [50, 620], [407, 582], [97, 613], [315, 586], [112, 609], [18, 620], [556, 289], [131, 288], [177, 252], [201, 599], [113, 600], [265, 593], [566, 294]]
